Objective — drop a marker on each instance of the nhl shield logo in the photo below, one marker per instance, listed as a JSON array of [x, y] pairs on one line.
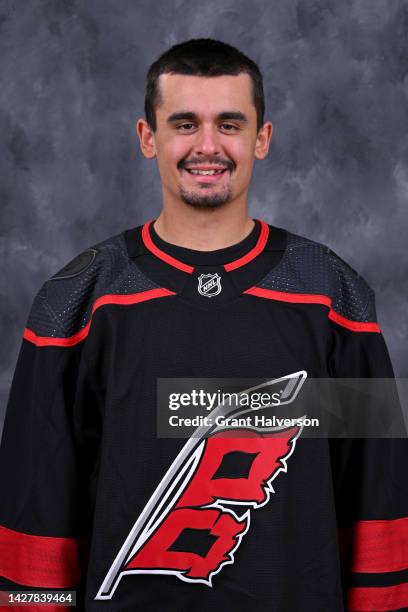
[[209, 285]]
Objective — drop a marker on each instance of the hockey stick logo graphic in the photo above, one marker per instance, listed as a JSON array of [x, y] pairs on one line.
[[197, 516]]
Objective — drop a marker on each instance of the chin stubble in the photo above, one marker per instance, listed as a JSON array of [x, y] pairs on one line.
[[201, 200]]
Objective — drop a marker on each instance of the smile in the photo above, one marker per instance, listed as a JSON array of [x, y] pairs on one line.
[[206, 176], [205, 172]]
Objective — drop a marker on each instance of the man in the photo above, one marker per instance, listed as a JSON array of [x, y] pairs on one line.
[[93, 498]]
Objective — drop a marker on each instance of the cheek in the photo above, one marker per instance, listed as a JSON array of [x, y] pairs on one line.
[[169, 154], [174, 151], [241, 151]]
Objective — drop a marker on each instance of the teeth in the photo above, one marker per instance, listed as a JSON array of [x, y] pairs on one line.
[[209, 172]]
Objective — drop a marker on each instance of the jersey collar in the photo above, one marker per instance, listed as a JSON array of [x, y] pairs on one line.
[[241, 261]]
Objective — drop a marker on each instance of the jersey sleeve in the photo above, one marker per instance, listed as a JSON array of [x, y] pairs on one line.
[[47, 459], [370, 482]]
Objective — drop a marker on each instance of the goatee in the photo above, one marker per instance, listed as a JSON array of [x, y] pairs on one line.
[[210, 200]]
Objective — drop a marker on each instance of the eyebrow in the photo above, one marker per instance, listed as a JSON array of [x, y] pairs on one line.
[[189, 116]]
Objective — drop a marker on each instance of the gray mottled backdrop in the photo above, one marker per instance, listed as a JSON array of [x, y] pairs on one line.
[[72, 87]]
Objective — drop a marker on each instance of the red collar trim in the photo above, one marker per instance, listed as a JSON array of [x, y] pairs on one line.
[[254, 252], [172, 261], [232, 265]]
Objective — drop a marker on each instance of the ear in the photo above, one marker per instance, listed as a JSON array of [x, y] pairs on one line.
[[263, 140], [146, 139]]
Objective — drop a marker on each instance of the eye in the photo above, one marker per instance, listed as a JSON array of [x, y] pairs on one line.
[[184, 125], [229, 127]]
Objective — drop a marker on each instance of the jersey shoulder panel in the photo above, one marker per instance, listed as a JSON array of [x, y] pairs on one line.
[[312, 268], [64, 304]]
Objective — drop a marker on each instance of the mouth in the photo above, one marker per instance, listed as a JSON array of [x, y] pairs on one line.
[[205, 176]]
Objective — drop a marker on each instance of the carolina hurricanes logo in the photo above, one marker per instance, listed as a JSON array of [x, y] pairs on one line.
[[196, 518]]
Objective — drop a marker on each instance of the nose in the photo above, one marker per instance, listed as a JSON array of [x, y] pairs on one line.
[[207, 141]]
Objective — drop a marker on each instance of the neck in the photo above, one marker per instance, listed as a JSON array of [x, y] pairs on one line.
[[203, 230]]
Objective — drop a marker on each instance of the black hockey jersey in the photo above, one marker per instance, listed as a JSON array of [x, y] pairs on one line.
[[94, 500]]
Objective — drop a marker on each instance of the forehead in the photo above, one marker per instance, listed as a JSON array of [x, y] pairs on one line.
[[205, 94]]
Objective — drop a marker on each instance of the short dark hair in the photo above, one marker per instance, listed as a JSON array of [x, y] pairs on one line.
[[202, 57]]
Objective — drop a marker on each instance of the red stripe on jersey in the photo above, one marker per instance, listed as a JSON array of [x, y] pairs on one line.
[[132, 298], [377, 599], [354, 325], [254, 252], [149, 244], [377, 546], [39, 561], [47, 341], [311, 298], [232, 265]]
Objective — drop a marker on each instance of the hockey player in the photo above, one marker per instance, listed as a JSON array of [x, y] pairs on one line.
[[93, 499]]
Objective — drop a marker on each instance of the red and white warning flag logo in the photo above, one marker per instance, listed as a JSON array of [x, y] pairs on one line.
[[196, 518]]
